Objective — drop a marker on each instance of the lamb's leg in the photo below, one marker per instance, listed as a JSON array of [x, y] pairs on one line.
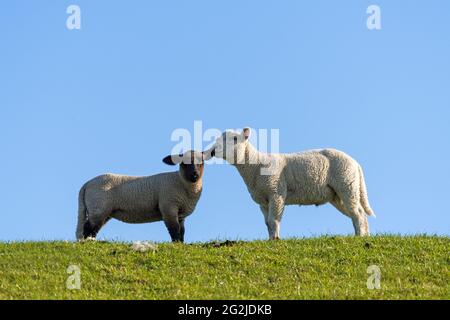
[[336, 202], [90, 230], [359, 223], [276, 208], [347, 201], [82, 213], [365, 222], [80, 226], [359, 219], [93, 225], [181, 221], [265, 212], [170, 217]]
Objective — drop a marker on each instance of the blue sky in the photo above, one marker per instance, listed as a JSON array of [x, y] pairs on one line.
[[106, 98]]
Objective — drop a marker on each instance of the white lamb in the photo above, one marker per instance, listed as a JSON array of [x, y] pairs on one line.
[[169, 196], [306, 178]]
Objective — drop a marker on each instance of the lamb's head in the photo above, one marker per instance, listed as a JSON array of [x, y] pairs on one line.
[[231, 146], [191, 164]]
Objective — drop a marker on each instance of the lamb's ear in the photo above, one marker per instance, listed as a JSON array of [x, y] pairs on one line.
[[246, 133], [173, 159]]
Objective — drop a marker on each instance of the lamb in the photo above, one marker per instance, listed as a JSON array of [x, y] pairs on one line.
[[313, 177], [170, 197]]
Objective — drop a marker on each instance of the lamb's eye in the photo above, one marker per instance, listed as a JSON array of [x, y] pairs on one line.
[[235, 139]]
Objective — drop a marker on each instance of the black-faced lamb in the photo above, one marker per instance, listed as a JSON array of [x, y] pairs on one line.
[[169, 197]]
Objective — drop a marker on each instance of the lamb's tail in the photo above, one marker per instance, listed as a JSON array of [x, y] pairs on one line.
[[82, 213], [364, 200]]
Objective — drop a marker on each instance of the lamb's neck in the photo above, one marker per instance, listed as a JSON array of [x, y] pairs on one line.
[[250, 170], [196, 188]]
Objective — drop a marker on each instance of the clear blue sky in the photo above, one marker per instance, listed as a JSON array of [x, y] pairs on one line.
[[106, 98]]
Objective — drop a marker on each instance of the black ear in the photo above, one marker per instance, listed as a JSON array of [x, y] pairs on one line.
[[173, 159]]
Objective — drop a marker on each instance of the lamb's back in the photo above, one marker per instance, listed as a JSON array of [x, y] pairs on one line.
[[318, 166], [129, 191], [307, 167]]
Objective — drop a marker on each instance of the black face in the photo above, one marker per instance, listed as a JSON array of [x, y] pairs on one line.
[[191, 166], [192, 172]]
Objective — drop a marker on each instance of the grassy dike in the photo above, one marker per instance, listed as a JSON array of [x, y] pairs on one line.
[[313, 268]]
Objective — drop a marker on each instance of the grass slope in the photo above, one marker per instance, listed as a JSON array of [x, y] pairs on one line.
[[318, 268]]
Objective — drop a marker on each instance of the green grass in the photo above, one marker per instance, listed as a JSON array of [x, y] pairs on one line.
[[317, 268]]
